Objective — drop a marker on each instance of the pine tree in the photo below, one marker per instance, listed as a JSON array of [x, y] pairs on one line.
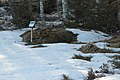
[[21, 12], [96, 14], [82, 11]]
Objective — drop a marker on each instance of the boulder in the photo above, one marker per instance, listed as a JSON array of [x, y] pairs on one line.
[[49, 35]]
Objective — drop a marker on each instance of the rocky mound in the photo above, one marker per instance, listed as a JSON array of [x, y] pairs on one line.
[[90, 48], [48, 35]]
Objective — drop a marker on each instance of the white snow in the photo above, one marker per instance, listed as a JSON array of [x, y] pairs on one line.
[[112, 77], [2, 57], [20, 62], [89, 36]]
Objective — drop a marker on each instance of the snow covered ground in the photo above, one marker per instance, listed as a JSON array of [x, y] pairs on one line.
[[89, 36], [20, 62]]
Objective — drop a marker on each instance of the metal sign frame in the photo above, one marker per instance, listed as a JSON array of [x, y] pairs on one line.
[[32, 24]]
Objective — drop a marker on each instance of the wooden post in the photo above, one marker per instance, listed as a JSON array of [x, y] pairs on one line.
[[31, 35], [32, 25]]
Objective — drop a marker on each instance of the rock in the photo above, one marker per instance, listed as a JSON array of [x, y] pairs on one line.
[[48, 35]]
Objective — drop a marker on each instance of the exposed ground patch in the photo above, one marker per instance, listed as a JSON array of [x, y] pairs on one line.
[[38, 46], [91, 48], [116, 61], [87, 58], [114, 41]]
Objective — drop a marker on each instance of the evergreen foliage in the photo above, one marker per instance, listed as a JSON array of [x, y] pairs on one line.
[[93, 15], [22, 14]]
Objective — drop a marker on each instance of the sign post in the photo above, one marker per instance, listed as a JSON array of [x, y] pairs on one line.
[[31, 35], [32, 25]]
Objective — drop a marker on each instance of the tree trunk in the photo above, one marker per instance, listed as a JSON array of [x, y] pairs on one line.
[[11, 7], [42, 15], [98, 1], [30, 5], [65, 9], [58, 10], [118, 11]]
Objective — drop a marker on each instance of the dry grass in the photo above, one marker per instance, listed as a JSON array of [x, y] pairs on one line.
[[105, 68], [87, 58], [116, 61], [114, 41], [92, 75], [65, 77], [91, 48], [116, 57], [116, 64], [114, 45]]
